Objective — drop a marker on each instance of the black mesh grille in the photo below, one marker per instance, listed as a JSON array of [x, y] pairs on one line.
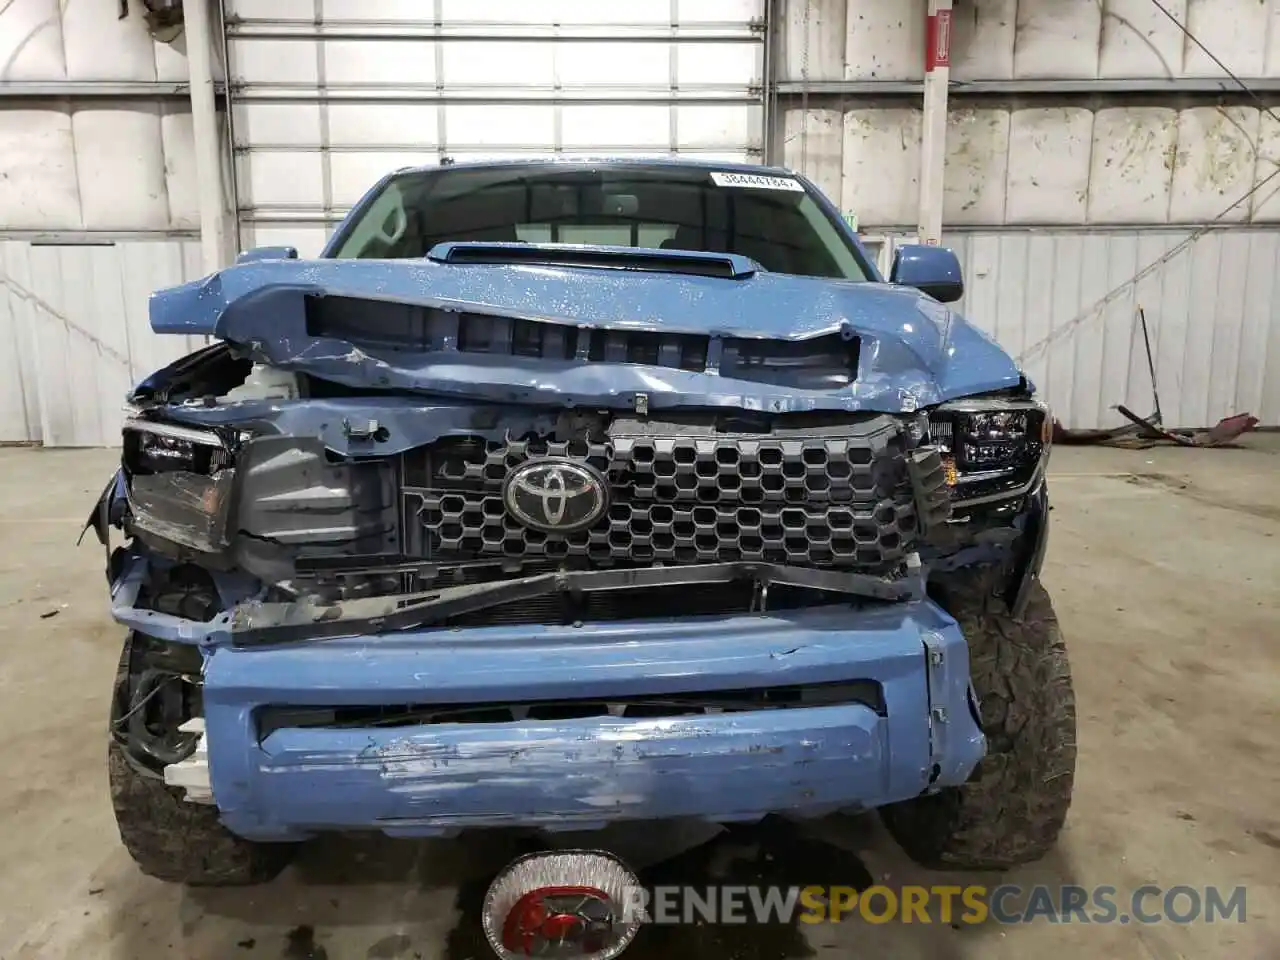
[[831, 497]]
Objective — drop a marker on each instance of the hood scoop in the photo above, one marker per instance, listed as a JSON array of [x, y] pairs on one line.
[[729, 266]]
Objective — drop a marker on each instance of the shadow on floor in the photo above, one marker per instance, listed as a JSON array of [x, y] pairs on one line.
[[374, 898]]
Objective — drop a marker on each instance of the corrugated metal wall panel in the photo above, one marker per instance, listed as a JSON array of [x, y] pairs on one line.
[[1212, 316], [73, 322]]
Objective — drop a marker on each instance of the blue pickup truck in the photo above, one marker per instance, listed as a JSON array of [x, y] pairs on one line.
[[558, 494]]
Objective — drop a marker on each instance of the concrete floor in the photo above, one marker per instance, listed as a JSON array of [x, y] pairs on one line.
[[1165, 566]]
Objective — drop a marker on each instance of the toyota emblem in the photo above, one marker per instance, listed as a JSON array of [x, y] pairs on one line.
[[555, 495]]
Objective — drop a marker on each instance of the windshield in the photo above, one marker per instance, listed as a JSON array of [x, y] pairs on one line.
[[772, 220]]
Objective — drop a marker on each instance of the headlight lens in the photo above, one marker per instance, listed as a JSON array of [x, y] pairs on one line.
[[179, 483], [151, 447], [161, 454], [991, 448]]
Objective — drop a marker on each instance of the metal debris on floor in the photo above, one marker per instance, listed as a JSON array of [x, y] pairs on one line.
[[1141, 433]]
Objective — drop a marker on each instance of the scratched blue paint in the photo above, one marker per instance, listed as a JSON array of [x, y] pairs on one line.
[[949, 689], [585, 773], [914, 351]]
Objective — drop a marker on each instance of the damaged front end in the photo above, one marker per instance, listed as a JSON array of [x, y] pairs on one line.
[[298, 542], [448, 596]]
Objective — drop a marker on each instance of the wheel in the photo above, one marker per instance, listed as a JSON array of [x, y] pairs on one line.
[[1014, 805], [168, 837]]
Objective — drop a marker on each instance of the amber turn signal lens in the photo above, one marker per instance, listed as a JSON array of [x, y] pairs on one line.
[[949, 469]]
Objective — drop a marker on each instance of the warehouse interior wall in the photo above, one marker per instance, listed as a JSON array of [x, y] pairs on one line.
[[1064, 112], [327, 98], [1086, 141], [98, 207]]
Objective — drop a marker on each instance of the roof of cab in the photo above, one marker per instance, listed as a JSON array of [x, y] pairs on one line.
[[699, 164]]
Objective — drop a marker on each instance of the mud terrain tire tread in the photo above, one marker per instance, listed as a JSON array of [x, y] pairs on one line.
[[180, 842], [1014, 806]]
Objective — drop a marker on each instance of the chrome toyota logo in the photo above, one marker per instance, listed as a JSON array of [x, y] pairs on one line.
[[555, 495]]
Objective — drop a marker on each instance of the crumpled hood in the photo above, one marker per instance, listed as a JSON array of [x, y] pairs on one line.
[[913, 351]]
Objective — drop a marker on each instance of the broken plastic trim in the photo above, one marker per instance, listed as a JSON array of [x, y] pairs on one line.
[[308, 620]]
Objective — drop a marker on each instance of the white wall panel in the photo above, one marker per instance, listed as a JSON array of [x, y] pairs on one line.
[[100, 46], [91, 163], [31, 41], [488, 126], [1134, 165], [281, 62], [1211, 310], [716, 128], [1140, 41], [1234, 30], [814, 37], [1049, 152], [354, 124], [881, 166], [120, 166], [1007, 39], [37, 154], [976, 166], [884, 40], [1265, 203], [817, 151], [75, 335], [1214, 164], [609, 127], [584, 64], [1129, 178], [982, 42], [181, 180], [85, 41], [1057, 38]]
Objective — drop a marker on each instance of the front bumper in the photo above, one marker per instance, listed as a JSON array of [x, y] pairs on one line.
[[584, 773]]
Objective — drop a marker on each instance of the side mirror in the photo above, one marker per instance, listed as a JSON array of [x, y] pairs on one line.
[[267, 253], [933, 270]]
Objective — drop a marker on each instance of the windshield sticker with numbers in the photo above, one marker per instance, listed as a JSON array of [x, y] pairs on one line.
[[757, 181]]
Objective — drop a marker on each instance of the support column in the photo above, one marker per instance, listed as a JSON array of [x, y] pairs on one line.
[[204, 123], [933, 146]]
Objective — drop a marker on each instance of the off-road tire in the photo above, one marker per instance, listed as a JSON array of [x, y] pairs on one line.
[[177, 841], [1014, 805]]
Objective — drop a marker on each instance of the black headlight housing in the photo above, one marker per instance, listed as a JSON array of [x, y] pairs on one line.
[[178, 482], [992, 448]]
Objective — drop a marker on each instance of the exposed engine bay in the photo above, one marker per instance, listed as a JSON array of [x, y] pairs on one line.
[[515, 514]]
